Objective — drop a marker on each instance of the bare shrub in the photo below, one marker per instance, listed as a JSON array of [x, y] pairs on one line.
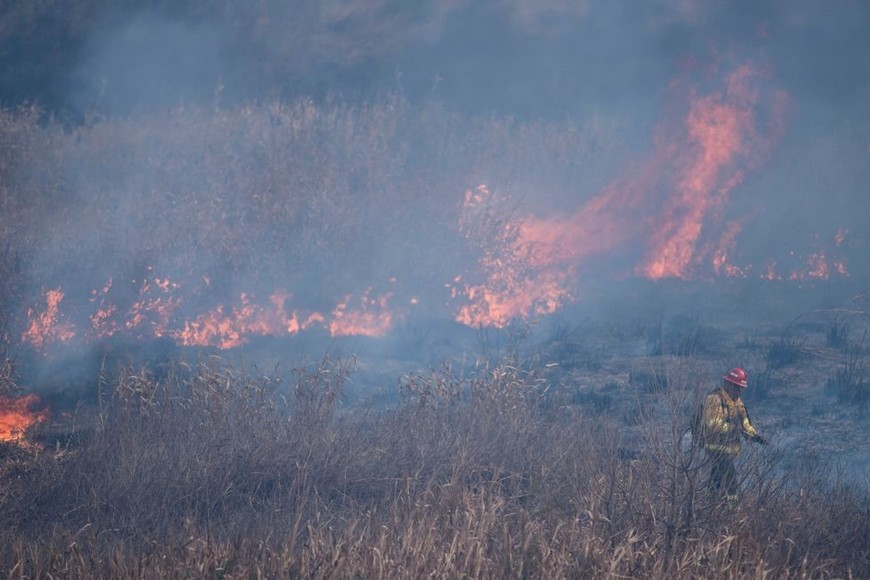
[[8, 382], [783, 352], [851, 382], [838, 332], [681, 336], [763, 383]]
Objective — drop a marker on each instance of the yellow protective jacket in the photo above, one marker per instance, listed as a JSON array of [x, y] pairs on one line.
[[725, 423]]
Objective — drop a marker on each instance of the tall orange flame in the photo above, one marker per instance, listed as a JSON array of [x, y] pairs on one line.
[[720, 134], [663, 206]]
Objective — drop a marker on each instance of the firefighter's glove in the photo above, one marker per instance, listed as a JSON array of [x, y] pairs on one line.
[[760, 440]]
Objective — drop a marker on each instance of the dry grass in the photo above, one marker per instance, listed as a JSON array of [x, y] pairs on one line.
[[209, 472], [206, 471], [321, 200]]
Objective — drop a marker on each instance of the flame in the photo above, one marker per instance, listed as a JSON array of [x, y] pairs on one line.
[[512, 297], [770, 272], [665, 205], [103, 321], [17, 416], [156, 310], [816, 266], [721, 264], [720, 131], [672, 205], [156, 313], [228, 328], [45, 326], [515, 285], [371, 318], [233, 328], [664, 217]]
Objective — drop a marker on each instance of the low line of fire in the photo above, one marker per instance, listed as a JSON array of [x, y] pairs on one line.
[[154, 314], [510, 291], [667, 216], [511, 294]]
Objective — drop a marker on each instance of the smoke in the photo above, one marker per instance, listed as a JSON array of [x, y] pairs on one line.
[[278, 165], [542, 58], [148, 63]]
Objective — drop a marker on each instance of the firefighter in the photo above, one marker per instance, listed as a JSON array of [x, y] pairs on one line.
[[725, 424]]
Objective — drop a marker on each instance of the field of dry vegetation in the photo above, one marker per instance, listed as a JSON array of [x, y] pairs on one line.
[[518, 466], [207, 471]]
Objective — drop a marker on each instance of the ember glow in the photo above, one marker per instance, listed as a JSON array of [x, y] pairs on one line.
[[17, 415]]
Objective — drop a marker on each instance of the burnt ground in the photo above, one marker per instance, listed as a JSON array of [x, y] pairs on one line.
[[630, 362], [792, 397]]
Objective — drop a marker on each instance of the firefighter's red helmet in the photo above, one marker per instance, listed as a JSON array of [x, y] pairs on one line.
[[737, 376]]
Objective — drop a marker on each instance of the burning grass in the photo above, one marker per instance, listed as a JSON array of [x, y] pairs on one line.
[[208, 471], [213, 225], [17, 415], [204, 226]]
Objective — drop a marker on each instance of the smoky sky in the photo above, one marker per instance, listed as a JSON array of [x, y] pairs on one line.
[[147, 63], [514, 57]]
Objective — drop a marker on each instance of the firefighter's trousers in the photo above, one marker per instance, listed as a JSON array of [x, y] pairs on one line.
[[723, 474]]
